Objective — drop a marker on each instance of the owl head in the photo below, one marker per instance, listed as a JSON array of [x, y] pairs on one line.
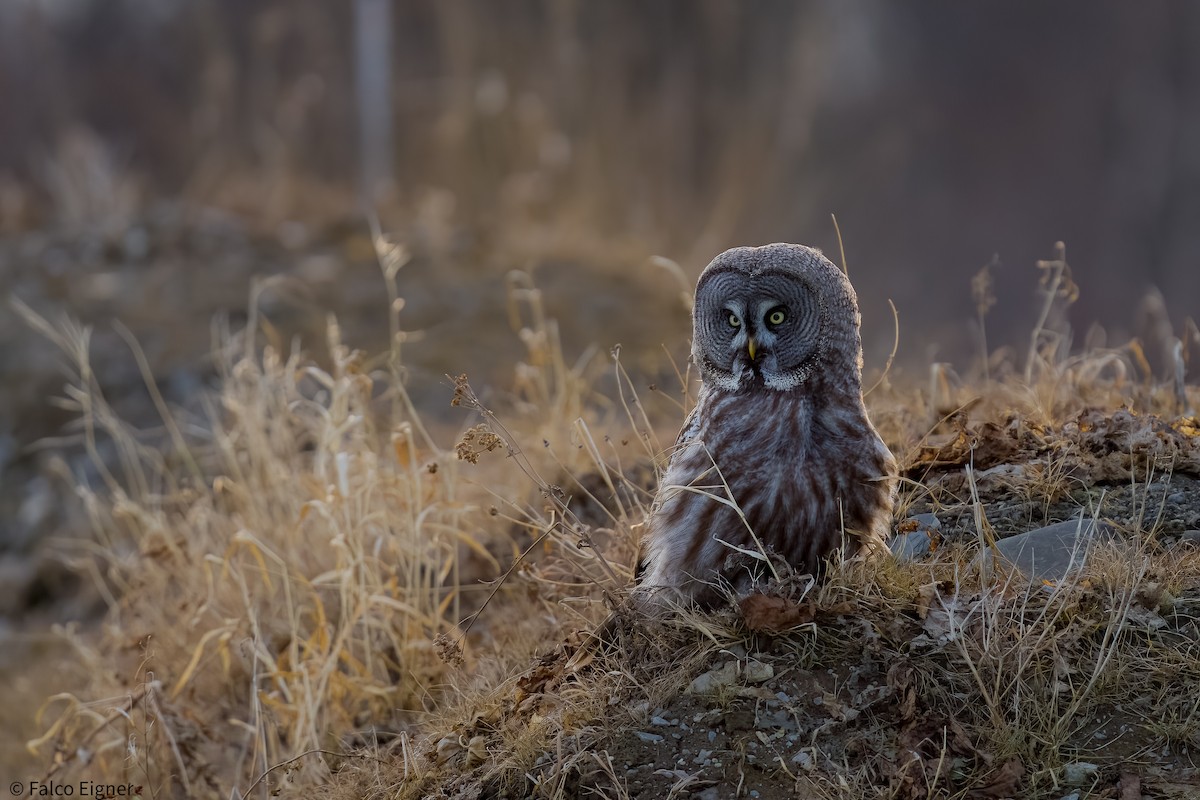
[[779, 316]]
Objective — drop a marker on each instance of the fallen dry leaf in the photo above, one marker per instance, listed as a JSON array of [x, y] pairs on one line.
[[900, 681], [546, 674], [773, 614], [838, 609], [1005, 782], [926, 595], [961, 743]]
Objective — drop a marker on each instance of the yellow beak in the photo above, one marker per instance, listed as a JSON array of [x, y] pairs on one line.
[[751, 346]]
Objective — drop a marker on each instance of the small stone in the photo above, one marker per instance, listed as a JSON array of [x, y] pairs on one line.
[[758, 672], [649, 738], [918, 541], [1077, 773], [926, 522], [1190, 538], [910, 546], [659, 722], [1055, 551], [710, 681]]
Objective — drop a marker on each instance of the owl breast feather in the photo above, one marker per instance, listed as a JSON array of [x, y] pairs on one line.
[[778, 470]]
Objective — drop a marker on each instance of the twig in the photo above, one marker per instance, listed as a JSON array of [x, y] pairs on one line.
[[841, 246], [887, 367]]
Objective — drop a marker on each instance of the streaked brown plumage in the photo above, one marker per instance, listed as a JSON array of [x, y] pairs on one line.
[[779, 429]]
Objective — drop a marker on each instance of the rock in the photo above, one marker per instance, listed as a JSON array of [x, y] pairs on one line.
[[1055, 551], [758, 672], [928, 522], [1190, 538], [916, 542], [1077, 773], [729, 673], [910, 546], [714, 679]]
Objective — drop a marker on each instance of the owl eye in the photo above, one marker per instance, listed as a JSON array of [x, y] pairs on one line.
[[776, 317], [733, 320]]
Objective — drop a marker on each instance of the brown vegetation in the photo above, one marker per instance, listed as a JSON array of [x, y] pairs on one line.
[[308, 589]]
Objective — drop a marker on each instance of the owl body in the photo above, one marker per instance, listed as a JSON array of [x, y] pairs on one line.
[[779, 451]]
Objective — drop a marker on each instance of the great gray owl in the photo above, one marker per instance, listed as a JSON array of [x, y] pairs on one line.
[[779, 432]]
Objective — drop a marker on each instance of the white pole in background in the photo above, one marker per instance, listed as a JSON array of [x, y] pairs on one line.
[[373, 78]]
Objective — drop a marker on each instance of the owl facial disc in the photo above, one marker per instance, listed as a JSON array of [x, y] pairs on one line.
[[757, 330]]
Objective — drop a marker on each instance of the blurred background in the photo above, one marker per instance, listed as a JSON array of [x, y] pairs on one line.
[[157, 155]]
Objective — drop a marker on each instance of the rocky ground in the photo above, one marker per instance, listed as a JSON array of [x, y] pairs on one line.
[[918, 679]]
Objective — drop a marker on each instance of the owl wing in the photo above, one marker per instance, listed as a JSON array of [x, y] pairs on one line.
[[691, 427]]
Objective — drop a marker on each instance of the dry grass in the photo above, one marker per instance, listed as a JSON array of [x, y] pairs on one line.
[[287, 575], [282, 582], [297, 591]]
